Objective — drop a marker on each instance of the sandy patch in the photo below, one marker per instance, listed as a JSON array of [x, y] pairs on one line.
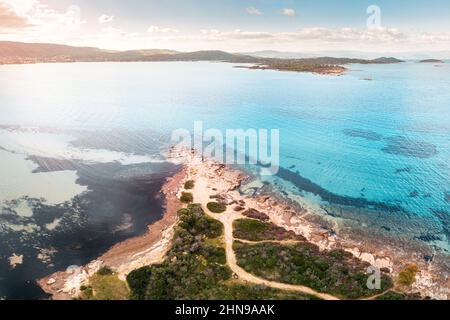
[[15, 260]]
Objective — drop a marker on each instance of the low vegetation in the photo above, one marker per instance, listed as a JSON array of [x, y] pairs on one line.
[[407, 276], [392, 295], [105, 271], [255, 230], [336, 272], [216, 207], [195, 267], [186, 197], [188, 185], [105, 285]]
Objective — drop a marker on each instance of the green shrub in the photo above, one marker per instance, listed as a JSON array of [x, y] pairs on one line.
[[188, 185], [407, 276], [216, 207], [214, 254], [194, 222], [138, 281], [104, 271], [187, 197], [86, 294], [392, 295]]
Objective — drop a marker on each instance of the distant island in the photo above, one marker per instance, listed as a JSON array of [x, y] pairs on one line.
[[321, 65], [28, 53], [431, 61]]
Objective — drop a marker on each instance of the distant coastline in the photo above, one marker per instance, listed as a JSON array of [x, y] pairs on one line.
[[31, 53]]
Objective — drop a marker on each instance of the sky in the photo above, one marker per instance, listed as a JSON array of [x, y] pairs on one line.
[[232, 25]]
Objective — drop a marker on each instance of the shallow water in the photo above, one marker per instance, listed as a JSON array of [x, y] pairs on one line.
[[380, 144]]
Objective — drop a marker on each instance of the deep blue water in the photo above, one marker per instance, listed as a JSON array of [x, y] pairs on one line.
[[384, 142]]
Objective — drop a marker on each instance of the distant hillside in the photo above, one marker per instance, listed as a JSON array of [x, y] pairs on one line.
[[206, 56], [202, 56], [17, 52], [336, 61], [147, 52]]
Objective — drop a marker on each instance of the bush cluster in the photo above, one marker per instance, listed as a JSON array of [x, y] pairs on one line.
[[188, 185], [407, 276], [216, 207], [335, 272], [186, 197]]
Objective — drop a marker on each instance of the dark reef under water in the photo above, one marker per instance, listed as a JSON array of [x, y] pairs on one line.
[[393, 219], [365, 134], [397, 145], [307, 185]]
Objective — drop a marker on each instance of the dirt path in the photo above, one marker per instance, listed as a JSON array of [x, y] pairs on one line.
[[202, 195], [270, 241]]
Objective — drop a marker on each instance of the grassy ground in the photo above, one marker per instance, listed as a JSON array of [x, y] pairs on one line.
[[105, 287]]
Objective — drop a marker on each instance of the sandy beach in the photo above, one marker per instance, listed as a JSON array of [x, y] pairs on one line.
[[233, 187]]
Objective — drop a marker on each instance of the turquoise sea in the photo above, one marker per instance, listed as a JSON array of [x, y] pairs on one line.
[[73, 136]]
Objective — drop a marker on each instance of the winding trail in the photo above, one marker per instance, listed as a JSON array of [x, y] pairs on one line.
[[202, 195]]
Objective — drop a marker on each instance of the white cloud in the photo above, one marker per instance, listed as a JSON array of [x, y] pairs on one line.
[[10, 19], [312, 34], [43, 20], [104, 18], [21, 7], [288, 12], [307, 39], [156, 29], [254, 11]]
